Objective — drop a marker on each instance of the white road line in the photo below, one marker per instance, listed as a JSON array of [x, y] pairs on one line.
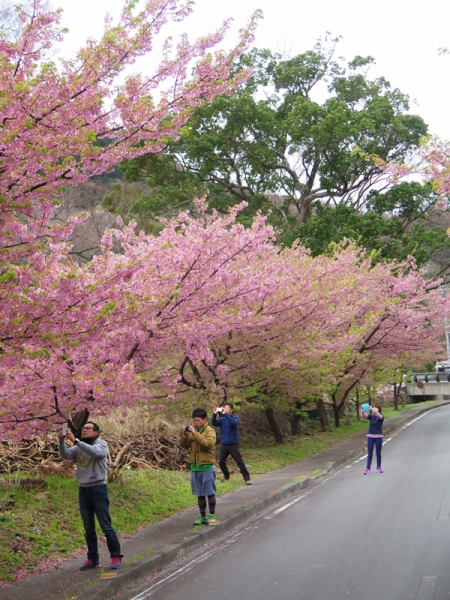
[[444, 509], [414, 420], [427, 588], [280, 510], [147, 593]]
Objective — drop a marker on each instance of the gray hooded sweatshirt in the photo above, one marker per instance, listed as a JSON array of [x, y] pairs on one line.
[[91, 461]]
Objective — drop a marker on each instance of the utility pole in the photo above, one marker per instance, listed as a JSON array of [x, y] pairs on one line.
[[447, 326]]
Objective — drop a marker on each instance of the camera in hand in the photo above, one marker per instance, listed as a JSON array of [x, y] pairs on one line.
[[219, 409], [186, 429]]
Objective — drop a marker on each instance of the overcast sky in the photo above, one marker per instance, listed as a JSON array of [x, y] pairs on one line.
[[403, 37]]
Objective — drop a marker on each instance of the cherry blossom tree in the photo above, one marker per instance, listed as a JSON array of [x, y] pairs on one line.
[[405, 325], [66, 120], [435, 163], [91, 333], [208, 304], [328, 323]]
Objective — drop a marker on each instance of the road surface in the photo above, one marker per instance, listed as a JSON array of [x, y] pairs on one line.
[[381, 536]]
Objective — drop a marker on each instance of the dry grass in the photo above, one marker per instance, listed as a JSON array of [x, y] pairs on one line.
[[136, 421]]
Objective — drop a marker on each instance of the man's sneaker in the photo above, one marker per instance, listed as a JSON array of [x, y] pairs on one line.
[[201, 521], [89, 564], [212, 520], [367, 472], [379, 469], [116, 562], [248, 482]]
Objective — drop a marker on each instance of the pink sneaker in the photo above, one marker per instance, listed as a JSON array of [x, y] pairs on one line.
[[379, 469], [367, 472]]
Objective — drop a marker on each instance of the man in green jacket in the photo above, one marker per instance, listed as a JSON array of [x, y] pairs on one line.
[[200, 439]]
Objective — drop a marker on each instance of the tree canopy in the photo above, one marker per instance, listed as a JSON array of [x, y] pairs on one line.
[[56, 112], [400, 222], [210, 304], [304, 141]]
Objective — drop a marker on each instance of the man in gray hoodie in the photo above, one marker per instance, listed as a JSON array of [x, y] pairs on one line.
[[90, 455]]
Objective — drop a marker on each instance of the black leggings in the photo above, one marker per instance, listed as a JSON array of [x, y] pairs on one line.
[[233, 450], [211, 504]]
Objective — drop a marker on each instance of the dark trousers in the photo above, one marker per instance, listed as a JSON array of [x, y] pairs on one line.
[[233, 450], [378, 443], [94, 502]]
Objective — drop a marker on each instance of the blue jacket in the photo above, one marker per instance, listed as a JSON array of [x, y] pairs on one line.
[[228, 428], [375, 423]]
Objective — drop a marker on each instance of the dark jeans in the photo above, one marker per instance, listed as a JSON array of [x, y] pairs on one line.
[[94, 501], [233, 450], [371, 442]]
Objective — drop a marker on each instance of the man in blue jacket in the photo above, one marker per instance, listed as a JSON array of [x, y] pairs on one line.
[[229, 440]]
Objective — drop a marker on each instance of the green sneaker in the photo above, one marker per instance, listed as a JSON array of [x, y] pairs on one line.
[[201, 521], [212, 520]]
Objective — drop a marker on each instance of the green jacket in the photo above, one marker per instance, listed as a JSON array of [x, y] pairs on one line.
[[201, 445]]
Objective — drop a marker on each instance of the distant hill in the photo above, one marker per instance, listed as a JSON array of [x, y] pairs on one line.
[[87, 197]]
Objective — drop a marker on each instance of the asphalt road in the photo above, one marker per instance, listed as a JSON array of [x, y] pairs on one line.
[[349, 537]]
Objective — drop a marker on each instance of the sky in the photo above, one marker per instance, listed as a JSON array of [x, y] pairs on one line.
[[403, 37]]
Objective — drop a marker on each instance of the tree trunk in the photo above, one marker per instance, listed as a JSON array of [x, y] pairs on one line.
[[323, 417], [396, 393], [296, 425], [277, 434], [357, 406], [339, 406], [336, 411], [370, 400]]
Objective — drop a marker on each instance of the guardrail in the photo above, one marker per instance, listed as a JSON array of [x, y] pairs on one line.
[[432, 377]]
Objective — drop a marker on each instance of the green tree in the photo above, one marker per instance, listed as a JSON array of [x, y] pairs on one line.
[[293, 142], [398, 223]]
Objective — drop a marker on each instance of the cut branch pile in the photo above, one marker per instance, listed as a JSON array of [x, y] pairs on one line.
[[152, 450], [26, 456]]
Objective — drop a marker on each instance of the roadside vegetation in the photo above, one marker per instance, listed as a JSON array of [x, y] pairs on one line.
[[38, 529]]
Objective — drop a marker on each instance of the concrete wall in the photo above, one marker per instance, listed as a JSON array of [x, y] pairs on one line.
[[430, 391]]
